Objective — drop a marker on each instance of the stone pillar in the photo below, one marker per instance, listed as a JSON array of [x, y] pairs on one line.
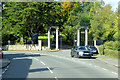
[[95, 43], [78, 37], [40, 44], [86, 37], [49, 38], [57, 38]]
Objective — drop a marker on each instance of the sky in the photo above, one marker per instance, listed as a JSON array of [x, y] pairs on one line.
[[113, 3]]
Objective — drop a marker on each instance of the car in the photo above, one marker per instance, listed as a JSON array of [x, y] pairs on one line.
[[94, 50], [1, 53], [81, 51]]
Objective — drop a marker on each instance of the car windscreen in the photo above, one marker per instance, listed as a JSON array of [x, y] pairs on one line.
[[82, 48], [92, 47]]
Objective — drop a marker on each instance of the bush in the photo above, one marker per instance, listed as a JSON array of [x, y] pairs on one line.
[[113, 45], [111, 53], [100, 49]]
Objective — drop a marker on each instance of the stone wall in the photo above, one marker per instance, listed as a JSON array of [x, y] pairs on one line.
[[24, 47]]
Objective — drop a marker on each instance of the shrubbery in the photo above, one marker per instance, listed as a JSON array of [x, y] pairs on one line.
[[110, 49], [111, 53], [113, 45], [100, 49]]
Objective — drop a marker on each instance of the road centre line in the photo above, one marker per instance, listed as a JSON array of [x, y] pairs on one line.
[[114, 73], [104, 69], [49, 69], [36, 59], [96, 66], [56, 78], [42, 62]]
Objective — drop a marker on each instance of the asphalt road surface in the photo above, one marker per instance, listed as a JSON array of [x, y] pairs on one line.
[[56, 65]]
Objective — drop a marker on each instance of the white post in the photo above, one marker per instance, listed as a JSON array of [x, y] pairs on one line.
[[57, 38], [95, 43], [86, 37], [49, 38], [78, 37], [40, 44]]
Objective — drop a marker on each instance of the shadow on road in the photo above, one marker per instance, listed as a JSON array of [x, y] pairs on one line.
[[88, 58], [19, 67], [40, 69], [19, 55]]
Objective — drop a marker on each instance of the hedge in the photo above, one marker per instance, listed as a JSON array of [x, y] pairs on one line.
[[111, 53], [108, 52]]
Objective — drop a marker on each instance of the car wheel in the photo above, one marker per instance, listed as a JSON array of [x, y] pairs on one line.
[[77, 56], [89, 57], [72, 55]]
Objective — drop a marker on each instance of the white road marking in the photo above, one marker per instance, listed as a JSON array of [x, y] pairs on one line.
[[90, 64], [3, 72], [49, 69], [36, 59], [96, 66], [104, 69], [114, 73], [56, 78], [42, 62], [83, 62]]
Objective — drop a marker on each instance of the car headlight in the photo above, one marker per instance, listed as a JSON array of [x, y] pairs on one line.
[[81, 53]]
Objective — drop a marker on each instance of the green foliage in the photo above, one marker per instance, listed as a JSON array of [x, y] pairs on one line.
[[111, 53], [113, 45], [103, 23], [100, 49]]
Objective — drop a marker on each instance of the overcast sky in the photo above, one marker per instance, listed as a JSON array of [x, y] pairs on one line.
[[113, 3]]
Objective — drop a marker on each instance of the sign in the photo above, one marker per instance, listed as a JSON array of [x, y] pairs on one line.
[[34, 36], [8, 41]]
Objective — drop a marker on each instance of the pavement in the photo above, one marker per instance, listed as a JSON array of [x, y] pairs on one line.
[[108, 60]]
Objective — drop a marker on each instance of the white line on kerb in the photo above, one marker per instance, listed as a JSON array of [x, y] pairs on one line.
[[114, 73], [42, 62], [49, 70]]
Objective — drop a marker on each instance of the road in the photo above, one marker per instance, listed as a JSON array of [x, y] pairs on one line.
[[57, 64]]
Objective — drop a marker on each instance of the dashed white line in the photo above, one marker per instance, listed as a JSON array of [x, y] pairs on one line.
[[36, 59], [56, 78], [49, 69], [104, 69], [90, 64], [96, 66], [42, 62], [114, 73], [3, 72]]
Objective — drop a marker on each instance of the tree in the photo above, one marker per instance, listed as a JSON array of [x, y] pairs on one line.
[[102, 23]]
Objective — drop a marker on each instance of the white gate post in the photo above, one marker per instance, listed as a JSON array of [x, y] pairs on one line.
[[49, 38], [57, 38], [78, 37], [86, 37]]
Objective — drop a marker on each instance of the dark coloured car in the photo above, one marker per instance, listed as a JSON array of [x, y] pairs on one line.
[[80, 51], [93, 49]]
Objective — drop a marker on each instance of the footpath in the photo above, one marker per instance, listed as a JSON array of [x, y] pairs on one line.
[[108, 60]]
